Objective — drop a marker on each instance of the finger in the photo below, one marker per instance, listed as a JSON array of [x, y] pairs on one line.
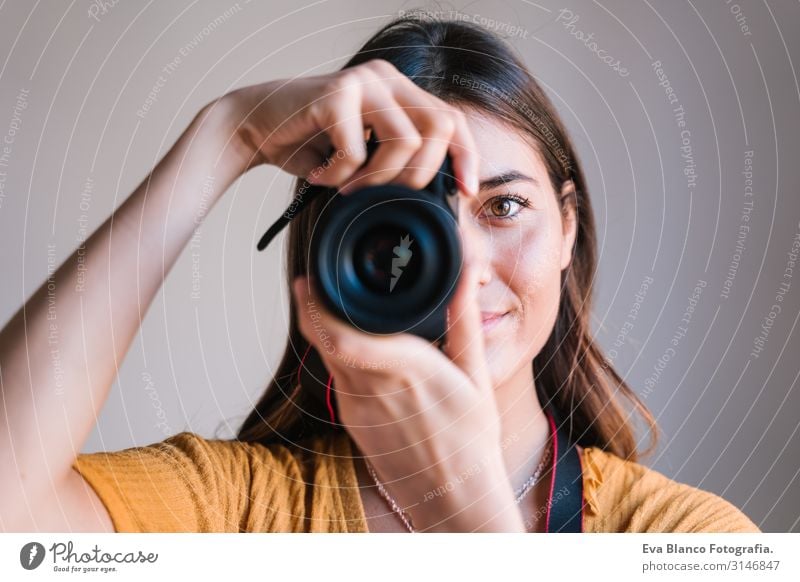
[[436, 128], [316, 331], [397, 136], [464, 153], [339, 340], [340, 118], [313, 320], [464, 341], [462, 147], [300, 162]]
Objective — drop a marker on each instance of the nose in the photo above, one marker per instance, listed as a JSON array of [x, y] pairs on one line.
[[475, 248]]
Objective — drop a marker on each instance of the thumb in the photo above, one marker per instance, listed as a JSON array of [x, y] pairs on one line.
[[464, 343]]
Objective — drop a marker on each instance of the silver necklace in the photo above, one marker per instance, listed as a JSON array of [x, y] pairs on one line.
[[520, 493]]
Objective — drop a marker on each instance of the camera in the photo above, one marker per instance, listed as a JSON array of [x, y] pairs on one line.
[[386, 258]]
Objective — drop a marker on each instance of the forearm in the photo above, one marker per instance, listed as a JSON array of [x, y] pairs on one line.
[[60, 352]]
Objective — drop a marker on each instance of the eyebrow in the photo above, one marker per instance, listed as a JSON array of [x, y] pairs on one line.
[[505, 178]]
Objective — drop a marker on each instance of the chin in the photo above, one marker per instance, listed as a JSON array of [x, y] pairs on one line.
[[508, 353], [502, 358]]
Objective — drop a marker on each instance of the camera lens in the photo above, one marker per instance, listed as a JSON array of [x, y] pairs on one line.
[[386, 259]]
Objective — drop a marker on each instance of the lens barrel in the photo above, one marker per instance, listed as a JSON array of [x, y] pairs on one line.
[[387, 259]]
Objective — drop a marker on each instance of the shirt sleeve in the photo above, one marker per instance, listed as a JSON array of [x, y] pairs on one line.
[[625, 496], [182, 484], [679, 507], [707, 512]]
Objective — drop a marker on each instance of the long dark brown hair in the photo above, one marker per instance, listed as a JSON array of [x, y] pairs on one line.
[[469, 66]]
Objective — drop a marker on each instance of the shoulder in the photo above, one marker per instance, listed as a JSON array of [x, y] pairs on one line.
[[626, 496]]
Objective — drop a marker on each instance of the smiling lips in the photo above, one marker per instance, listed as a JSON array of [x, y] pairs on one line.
[[490, 319]]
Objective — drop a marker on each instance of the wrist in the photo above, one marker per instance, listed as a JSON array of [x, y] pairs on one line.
[[479, 499], [219, 133], [196, 171]]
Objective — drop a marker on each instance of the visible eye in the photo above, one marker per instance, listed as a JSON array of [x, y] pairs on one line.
[[502, 207]]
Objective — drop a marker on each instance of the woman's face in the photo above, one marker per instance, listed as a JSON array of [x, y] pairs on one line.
[[522, 250]]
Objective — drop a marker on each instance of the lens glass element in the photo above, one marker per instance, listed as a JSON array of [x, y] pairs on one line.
[[387, 260]]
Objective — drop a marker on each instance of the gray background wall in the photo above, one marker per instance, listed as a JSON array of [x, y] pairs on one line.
[[730, 418]]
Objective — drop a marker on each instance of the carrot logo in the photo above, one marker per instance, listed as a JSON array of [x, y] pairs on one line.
[[31, 555], [402, 256]]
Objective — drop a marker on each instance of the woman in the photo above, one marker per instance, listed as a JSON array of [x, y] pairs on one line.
[[465, 438]]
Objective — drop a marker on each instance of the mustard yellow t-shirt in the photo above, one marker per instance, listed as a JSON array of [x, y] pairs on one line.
[[187, 483]]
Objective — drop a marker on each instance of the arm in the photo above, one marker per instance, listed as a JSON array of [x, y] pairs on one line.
[[44, 421]]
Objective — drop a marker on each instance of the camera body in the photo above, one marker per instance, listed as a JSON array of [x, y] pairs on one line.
[[387, 258]]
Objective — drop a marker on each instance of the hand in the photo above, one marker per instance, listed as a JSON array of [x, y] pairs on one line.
[[293, 123], [423, 417]]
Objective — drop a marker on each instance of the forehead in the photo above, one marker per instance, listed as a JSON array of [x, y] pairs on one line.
[[503, 148]]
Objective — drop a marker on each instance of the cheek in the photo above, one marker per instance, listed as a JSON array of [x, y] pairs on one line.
[[529, 264], [532, 272], [527, 260]]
